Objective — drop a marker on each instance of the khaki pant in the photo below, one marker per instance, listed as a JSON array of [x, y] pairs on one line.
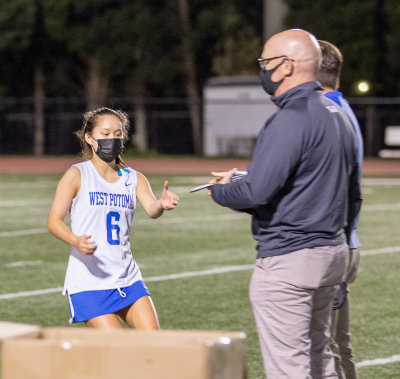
[[340, 329], [292, 296]]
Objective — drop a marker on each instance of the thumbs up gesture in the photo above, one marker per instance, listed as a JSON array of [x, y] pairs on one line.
[[168, 199]]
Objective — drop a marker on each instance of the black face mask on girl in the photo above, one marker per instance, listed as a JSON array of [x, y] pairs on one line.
[[270, 86], [109, 148]]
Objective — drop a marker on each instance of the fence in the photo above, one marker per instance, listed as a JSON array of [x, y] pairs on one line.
[[374, 116], [167, 121]]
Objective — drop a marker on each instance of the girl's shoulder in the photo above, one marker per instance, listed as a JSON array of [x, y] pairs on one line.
[[82, 165], [140, 176], [85, 168], [72, 173], [71, 180]]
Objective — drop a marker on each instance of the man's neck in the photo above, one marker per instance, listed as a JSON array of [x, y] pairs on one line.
[[328, 89]]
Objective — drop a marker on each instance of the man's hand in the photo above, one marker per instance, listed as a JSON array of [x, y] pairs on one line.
[[221, 177], [340, 296]]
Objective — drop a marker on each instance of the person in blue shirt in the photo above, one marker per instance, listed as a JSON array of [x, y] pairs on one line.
[[329, 77]]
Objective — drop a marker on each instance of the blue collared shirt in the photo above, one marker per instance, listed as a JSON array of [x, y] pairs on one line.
[[337, 97]]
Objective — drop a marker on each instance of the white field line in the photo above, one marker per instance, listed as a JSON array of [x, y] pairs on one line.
[[40, 202], [383, 250], [188, 274], [23, 185], [379, 361], [373, 362], [380, 182], [191, 179], [23, 263], [177, 220], [172, 220], [30, 293], [24, 203], [380, 207], [24, 232]]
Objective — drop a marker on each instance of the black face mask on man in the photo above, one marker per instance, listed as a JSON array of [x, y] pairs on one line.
[[268, 85], [109, 148]]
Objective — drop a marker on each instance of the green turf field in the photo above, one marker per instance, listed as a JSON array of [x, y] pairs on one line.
[[196, 237]]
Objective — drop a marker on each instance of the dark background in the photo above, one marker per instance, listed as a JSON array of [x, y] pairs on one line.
[[61, 58]]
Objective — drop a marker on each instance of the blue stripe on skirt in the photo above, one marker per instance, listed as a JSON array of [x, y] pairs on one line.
[[89, 304]]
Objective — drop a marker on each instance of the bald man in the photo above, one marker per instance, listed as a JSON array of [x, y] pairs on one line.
[[303, 194]]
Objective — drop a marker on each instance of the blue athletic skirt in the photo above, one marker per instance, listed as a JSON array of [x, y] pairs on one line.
[[89, 304]]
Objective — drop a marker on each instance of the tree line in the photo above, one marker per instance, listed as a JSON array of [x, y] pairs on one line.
[[366, 31], [140, 49], [137, 49]]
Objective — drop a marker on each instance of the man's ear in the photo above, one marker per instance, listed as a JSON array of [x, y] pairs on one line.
[[288, 68]]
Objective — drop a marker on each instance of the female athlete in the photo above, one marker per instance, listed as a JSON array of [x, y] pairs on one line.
[[103, 282]]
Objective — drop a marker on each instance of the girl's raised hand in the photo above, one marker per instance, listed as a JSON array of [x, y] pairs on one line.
[[168, 199]]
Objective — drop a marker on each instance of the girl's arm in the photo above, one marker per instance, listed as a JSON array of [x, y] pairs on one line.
[[67, 188], [153, 207]]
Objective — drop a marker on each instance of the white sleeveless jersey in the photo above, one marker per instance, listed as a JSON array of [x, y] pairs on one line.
[[104, 211]]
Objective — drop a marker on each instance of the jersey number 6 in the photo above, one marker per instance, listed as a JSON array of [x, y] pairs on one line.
[[113, 228]]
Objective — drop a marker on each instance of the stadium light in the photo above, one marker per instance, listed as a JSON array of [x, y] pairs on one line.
[[363, 87]]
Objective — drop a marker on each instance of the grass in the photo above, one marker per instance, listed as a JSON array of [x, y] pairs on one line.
[[198, 235]]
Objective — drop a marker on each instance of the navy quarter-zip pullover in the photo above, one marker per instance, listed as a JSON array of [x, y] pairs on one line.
[[301, 188]]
